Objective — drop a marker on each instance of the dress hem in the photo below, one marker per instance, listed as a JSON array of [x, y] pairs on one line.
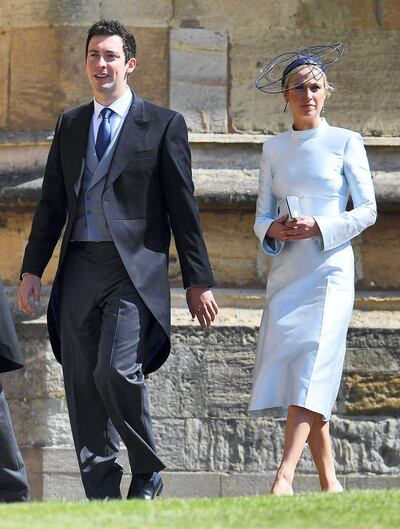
[[278, 411]]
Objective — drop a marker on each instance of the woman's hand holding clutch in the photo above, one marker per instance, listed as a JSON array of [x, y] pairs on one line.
[[302, 228], [279, 230]]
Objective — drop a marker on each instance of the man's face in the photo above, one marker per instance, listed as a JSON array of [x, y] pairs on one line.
[[106, 68]]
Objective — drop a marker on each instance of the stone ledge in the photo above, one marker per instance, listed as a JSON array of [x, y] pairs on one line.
[[370, 141], [246, 318], [62, 480], [371, 309], [58, 466], [219, 188], [27, 138], [24, 138], [213, 485]]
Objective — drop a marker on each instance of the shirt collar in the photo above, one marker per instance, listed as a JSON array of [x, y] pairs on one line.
[[119, 106]]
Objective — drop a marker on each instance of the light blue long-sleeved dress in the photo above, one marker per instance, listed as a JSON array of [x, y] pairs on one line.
[[310, 289]]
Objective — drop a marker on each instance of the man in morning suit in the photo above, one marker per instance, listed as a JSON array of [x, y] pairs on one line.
[[13, 480], [119, 171]]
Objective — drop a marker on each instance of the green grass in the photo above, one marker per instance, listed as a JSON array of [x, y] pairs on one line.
[[350, 510]]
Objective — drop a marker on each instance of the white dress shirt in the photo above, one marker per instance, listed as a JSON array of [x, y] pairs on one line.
[[120, 107]]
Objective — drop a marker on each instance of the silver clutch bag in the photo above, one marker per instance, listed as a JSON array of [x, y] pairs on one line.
[[293, 206]]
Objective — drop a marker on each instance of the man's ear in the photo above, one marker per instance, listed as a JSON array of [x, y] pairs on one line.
[[131, 65]]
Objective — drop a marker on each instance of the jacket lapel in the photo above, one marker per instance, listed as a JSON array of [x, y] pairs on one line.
[[75, 146], [132, 138]]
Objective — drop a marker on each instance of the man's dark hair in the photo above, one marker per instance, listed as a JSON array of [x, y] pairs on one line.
[[114, 27]]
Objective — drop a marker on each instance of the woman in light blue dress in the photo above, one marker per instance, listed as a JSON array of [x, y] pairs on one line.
[[310, 290]]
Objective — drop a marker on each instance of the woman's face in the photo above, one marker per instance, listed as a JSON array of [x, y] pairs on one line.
[[307, 96]]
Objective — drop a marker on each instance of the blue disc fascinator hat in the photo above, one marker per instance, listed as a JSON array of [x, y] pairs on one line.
[[271, 77]]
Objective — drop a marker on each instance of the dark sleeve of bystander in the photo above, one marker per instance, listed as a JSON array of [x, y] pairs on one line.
[[10, 350]]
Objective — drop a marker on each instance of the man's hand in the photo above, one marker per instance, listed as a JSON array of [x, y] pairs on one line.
[[202, 305], [30, 286]]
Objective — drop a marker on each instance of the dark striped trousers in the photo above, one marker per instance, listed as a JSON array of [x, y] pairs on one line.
[[13, 479]]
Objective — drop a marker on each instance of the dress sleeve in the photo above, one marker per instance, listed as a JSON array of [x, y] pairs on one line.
[[338, 229], [266, 207]]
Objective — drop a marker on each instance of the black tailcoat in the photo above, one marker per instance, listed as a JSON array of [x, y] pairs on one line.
[[148, 191]]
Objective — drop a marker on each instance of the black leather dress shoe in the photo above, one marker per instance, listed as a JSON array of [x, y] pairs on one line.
[[145, 488]]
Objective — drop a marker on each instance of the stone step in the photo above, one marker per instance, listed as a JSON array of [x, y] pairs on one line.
[[225, 168], [213, 188], [53, 475], [371, 308]]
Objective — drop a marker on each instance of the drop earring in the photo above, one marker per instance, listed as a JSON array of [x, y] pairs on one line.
[[323, 109], [285, 107]]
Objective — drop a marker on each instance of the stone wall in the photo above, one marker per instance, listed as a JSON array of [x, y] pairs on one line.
[[199, 400], [201, 57], [226, 178]]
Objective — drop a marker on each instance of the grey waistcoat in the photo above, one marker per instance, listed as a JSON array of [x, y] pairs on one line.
[[90, 223]]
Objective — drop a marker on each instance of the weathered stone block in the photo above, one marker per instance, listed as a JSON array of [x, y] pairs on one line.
[[49, 423], [290, 15], [372, 482], [198, 78], [229, 445], [15, 225], [380, 254], [337, 14], [245, 484], [70, 67], [33, 464], [237, 263], [40, 93], [20, 411], [365, 52], [192, 485], [229, 375], [41, 377], [372, 394], [59, 460], [388, 14], [36, 96], [5, 39], [170, 439], [150, 78], [63, 487], [21, 14], [215, 14], [21, 161], [185, 369], [366, 444], [372, 351], [212, 371], [371, 360], [139, 12]]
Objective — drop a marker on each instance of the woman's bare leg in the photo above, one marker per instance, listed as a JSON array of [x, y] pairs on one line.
[[298, 427], [319, 442]]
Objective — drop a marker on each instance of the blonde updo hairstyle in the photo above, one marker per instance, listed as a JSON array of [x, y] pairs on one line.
[[328, 87]]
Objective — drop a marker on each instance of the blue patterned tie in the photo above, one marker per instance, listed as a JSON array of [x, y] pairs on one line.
[[104, 133]]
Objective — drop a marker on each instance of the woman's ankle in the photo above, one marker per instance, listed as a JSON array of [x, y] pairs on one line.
[[286, 473], [331, 485]]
